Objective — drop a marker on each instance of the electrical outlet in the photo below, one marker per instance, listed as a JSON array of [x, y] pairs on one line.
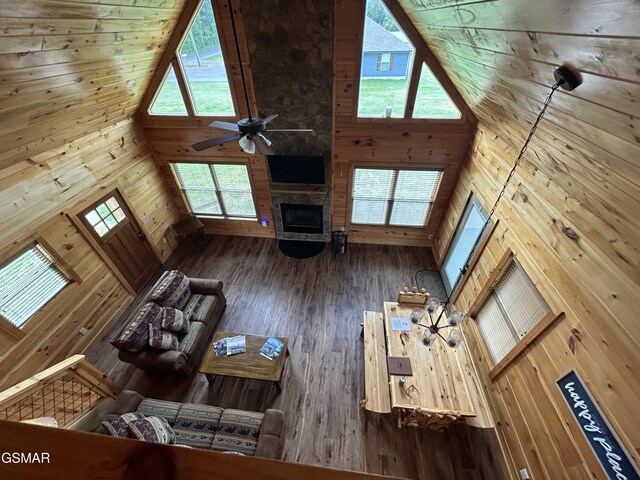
[[83, 331], [430, 236], [524, 475], [145, 218]]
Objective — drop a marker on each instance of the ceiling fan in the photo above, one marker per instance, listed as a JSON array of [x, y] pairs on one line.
[[247, 130]]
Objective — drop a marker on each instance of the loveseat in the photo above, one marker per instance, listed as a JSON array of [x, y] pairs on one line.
[[192, 306], [208, 427]]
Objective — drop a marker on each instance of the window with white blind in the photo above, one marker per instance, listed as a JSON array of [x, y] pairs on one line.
[[393, 197], [27, 282], [220, 189], [511, 309]]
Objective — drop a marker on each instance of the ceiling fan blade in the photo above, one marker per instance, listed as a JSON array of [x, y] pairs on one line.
[[212, 142], [224, 125], [290, 130], [262, 145], [269, 118]]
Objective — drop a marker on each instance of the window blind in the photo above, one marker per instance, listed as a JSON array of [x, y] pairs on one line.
[[28, 282], [393, 197], [512, 308]]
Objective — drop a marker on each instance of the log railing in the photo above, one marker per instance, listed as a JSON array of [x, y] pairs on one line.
[[65, 391]]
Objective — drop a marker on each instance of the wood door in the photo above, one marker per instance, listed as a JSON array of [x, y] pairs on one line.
[[117, 232]]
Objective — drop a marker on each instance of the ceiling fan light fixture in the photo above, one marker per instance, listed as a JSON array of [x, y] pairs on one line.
[[247, 145]]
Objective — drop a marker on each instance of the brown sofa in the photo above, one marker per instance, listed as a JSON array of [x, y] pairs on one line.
[[193, 345], [212, 428]]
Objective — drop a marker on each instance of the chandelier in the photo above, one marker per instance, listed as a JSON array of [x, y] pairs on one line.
[[566, 80]]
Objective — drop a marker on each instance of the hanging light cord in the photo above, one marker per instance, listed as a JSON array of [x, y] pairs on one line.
[[235, 38], [463, 270]]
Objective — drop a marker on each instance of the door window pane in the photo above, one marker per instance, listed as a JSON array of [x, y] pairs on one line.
[[105, 216], [201, 58]]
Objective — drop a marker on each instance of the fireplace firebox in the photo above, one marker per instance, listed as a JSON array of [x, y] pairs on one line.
[[297, 218]]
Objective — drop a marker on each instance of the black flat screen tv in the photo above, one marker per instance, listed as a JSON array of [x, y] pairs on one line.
[[296, 169]]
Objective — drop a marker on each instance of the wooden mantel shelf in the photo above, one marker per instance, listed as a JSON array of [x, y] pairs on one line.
[[299, 188]]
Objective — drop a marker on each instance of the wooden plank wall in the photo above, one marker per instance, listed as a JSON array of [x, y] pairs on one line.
[[570, 214], [384, 143], [171, 137], [72, 74]]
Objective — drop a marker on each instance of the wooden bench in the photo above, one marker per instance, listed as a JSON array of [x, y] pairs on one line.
[[376, 376]]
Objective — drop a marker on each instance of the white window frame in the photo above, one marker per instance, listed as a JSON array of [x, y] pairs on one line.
[[217, 191], [496, 313], [391, 199], [27, 287]]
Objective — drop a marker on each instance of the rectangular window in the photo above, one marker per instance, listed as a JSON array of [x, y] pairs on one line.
[[27, 282], [385, 62], [220, 189], [511, 309], [393, 197], [467, 232]]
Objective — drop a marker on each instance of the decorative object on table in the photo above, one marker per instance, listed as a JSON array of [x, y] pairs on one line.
[[413, 297], [400, 324], [272, 348], [399, 366], [566, 80], [431, 281]]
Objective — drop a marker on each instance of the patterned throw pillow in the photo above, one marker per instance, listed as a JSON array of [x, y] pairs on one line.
[[161, 339], [173, 291], [152, 429], [136, 336], [118, 425], [174, 320]]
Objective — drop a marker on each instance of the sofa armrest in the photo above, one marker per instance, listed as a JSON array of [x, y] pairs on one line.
[[127, 401], [271, 439], [206, 286], [157, 360]]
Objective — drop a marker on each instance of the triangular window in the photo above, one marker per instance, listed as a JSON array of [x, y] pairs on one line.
[[168, 100], [203, 71], [431, 99], [385, 73]]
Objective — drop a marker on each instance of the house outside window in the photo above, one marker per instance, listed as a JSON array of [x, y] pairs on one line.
[[27, 282], [216, 190], [393, 196]]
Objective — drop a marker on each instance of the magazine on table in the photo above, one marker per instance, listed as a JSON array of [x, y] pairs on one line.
[[272, 348], [230, 346], [236, 345]]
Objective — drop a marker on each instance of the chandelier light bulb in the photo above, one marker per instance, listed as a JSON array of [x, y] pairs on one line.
[[428, 338], [455, 338], [433, 304], [416, 316], [455, 319]]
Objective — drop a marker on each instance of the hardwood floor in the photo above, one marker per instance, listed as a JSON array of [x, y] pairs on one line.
[[317, 304]]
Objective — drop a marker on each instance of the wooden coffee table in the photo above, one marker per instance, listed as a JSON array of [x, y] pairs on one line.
[[249, 364]]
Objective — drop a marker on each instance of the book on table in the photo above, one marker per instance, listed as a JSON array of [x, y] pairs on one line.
[[272, 348]]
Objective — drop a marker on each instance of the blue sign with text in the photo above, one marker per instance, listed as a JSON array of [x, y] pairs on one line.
[[612, 456]]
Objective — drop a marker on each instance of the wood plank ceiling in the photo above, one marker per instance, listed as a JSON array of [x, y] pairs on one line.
[[570, 214]]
